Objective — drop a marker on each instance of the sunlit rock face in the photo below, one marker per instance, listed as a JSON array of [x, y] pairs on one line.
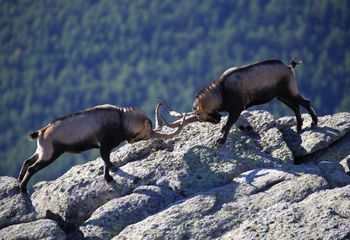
[[189, 188]]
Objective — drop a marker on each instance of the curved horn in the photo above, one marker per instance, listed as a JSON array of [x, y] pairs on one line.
[[171, 111], [189, 117], [157, 134], [160, 121]]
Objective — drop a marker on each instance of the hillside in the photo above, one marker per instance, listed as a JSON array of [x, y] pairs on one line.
[[58, 57], [187, 188]]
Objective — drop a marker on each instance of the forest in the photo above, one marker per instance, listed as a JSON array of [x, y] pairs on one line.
[[58, 57]]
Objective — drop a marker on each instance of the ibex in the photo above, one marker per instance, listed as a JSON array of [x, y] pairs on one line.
[[103, 127], [239, 88]]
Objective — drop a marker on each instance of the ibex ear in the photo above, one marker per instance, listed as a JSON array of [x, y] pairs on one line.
[[147, 124]]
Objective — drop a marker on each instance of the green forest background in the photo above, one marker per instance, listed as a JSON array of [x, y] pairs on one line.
[[62, 56]]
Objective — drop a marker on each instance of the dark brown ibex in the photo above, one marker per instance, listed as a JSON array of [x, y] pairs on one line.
[[103, 127], [239, 88]]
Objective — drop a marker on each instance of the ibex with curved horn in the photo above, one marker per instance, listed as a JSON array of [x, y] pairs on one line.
[[239, 88], [103, 127]]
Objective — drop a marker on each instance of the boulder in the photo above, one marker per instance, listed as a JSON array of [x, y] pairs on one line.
[[242, 207], [322, 215], [329, 130], [109, 219], [189, 188], [14, 206], [261, 126], [186, 164], [76, 194], [338, 152], [39, 229]]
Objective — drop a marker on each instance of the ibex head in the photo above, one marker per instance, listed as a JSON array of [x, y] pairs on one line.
[[145, 131]]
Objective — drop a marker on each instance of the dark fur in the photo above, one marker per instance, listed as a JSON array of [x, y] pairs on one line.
[[235, 91], [95, 109], [109, 136]]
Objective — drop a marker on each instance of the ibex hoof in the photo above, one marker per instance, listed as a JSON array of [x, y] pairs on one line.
[[220, 141], [108, 178], [23, 190]]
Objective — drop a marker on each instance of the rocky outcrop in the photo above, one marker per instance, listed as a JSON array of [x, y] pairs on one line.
[[111, 218], [188, 188], [39, 229], [311, 218], [330, 129], [18, 218], [14, 207], [187, 164], [260, 204]]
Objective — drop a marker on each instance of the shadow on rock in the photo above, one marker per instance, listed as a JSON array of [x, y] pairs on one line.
[[128, 176], [292, 139], [210, 167], [326, 130], [336, 152]]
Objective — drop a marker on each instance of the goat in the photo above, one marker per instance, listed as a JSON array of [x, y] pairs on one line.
[[103, 127], [239, 88]]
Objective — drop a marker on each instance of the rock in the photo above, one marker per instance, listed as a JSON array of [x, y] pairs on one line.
[[173, 223], [272, 141], [330, 129], [262, 126], [14, 206], [323, 215], [76, 194], [188, 188], [336, 152], [186, 164], [40, 229], [108, 220], [258, 120], [334, 173], [211, 214], [346, 164]]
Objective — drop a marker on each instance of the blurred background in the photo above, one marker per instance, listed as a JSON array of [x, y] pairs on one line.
[[58, 57]]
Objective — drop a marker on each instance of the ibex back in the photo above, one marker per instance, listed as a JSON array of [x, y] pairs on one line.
[[239, 88], [103, 127]]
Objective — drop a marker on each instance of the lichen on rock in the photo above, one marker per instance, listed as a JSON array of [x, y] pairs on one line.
[[189, 188]]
